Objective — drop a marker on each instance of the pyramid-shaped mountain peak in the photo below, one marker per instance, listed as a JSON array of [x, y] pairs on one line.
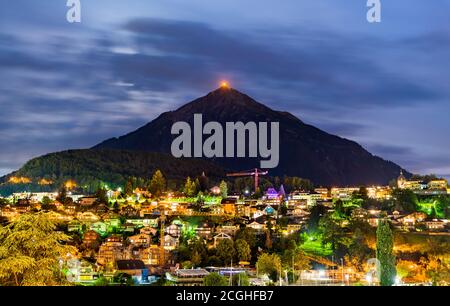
[[305, 151]]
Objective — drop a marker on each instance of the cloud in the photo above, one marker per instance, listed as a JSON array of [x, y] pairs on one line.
[[74, 90]]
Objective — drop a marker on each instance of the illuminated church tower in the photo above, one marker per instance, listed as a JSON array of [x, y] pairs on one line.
[[401, 181]]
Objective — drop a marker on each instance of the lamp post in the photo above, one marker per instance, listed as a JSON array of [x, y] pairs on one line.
[[342, 264]]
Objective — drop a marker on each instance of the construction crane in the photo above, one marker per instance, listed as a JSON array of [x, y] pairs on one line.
[[162, 219], [256, 173]]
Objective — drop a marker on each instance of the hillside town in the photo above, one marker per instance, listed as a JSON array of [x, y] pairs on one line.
[[205, 235]]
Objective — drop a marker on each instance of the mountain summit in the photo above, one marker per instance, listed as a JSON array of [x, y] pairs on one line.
[[305, 151]]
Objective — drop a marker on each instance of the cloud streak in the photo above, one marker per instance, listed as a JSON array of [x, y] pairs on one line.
[[63, 88]]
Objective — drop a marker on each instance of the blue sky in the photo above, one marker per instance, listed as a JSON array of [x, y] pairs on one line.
[[73, 85]]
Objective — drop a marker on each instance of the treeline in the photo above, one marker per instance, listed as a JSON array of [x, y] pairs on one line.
[[93, 169]]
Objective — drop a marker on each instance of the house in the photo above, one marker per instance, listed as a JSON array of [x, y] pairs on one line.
[[111, 219], [129, 227], [298, 212], [58, 217], [360, 214], [204, 230], [140, 240], [101, 209], [87, 201], [187, 277], [23, 208], [148, 231], [135, 268], [435, 225], [91, 237], [152, 254], [74, 226], [86, 272], [293, 228], [170, 243], [110, 251], [219, 237], [410, 220], [174, 230], [227, 229], [215, 190], [70, 208], [438, 184], [99, 226], [259, 227], [87, 216], [269, 211], [129, 211], [229, 206]]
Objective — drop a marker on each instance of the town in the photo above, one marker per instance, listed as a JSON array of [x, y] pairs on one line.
[[282, 231]]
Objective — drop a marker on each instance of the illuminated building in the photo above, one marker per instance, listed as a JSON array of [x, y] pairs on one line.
[[142, 240], [187, 277], [435, 224], [90, 237], [110, 251], [87, 217], [438, 184], [379, 192], [135, 268], [403, 183], [343, 193], [87, 201], [227, 229]]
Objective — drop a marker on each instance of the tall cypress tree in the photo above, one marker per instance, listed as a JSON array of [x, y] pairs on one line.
[[385, 245]]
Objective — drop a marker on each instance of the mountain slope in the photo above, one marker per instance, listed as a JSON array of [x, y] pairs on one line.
[[305, 151], [89, 167]]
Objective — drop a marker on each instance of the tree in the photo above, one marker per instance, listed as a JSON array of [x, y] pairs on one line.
[[268, 243], [196, 258], [405, 200], [225, 250], [190, 189], [157, 184], [295, 259], [102, 196], [203, 182], [316, 212], [62, 194], [31, 250], [240, 279], [243, 250], [332, 232], [46, 201], [247, 234], [269, 264], [214, 279], [223, 189], [385, 254], [437, 270], [128, 188]]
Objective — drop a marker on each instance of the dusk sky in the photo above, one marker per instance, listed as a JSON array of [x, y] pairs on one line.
[[386, 86]]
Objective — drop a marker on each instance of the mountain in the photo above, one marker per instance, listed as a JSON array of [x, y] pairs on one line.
[[91, 167], [305, 150]]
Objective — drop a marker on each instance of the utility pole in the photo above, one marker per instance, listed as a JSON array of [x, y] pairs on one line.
[[293, 270]]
